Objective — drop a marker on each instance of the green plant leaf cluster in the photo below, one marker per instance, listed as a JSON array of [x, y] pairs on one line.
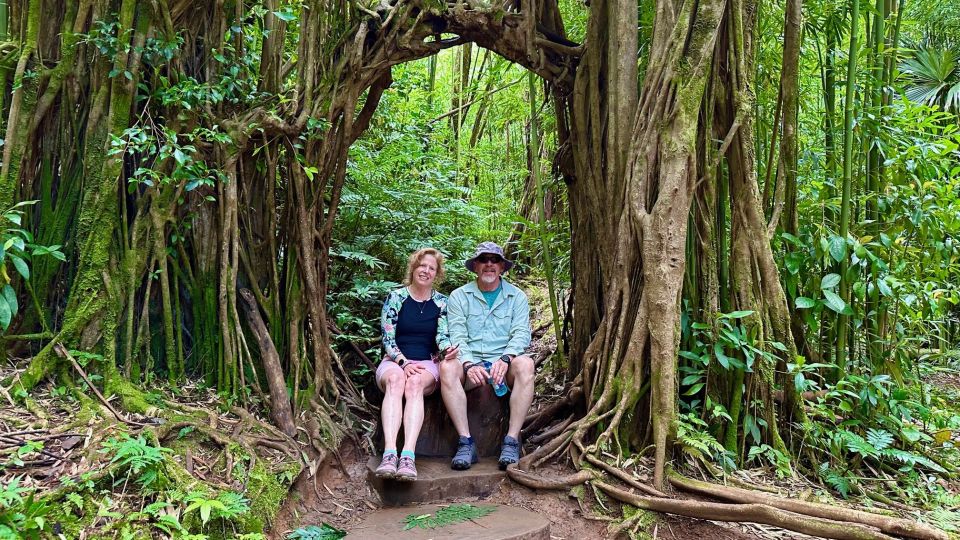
[[448, 515]]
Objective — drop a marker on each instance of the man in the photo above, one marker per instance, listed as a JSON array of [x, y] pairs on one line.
[[489, 319]]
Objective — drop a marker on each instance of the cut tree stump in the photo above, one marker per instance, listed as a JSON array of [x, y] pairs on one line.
[[487, 415]]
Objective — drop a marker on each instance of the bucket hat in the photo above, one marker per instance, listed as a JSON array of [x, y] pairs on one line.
[[488, 248]]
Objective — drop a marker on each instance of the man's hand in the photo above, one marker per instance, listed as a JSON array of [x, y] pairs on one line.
[[412, 370], [499, 371], [478, 375]]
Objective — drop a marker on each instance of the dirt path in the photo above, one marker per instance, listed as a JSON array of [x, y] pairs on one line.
[[343, 499]]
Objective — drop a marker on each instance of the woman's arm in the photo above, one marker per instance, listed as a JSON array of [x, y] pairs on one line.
[[388, 325], [443, 328]]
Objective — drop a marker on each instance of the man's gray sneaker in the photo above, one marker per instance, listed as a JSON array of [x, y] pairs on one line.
[[466, 455], [509, 452]]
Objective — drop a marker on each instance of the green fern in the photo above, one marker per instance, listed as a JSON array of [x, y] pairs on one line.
[[837, 480], [856, 444], [695, 440], [880, 439], [324, 531], [455, 513], [910, 459]]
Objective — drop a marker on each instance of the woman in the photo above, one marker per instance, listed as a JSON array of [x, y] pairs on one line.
[[414, 325]]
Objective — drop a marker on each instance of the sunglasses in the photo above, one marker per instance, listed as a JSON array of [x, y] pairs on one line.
[[483, 259]]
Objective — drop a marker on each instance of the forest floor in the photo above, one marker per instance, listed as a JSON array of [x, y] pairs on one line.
[[73, 447]]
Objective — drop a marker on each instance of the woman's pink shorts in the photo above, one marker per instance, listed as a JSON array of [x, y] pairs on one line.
[[386, 365]]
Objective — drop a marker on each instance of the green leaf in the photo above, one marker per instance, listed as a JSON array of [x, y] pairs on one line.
[[11, 297], [205, 511], [21, 266], [5, 315], [802, 302], [833, 301], [879, 438], [884, 287], [284, 16], [829, 281], [721, 357], [838, 248], [179, 156], [736, 314]]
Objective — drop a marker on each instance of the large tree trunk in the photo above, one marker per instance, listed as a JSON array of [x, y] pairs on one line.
[[641, 216]]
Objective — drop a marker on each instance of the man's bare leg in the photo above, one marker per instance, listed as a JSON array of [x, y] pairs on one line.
[[454, 396], [520, 378]]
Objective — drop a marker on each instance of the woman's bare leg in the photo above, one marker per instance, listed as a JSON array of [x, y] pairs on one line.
[[416, 387]]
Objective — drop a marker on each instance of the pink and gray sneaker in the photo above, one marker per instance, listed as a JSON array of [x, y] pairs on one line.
[[388, 466], [406, 470]]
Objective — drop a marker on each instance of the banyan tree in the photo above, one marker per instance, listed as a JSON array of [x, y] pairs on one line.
[[189, 157]]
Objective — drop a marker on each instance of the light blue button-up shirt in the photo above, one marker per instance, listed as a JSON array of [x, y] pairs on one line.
[[486, 333]]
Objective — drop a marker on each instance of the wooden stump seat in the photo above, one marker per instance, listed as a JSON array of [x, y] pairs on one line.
[[487, 415]]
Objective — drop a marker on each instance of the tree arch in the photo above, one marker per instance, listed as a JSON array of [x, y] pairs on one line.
[[176, 188]]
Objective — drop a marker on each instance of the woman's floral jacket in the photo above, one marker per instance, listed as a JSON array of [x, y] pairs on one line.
[[391, 312]]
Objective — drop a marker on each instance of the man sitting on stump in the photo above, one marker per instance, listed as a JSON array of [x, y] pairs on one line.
[[489, 320]]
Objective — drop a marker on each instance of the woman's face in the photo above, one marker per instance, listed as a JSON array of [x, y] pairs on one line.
[[426, 271]]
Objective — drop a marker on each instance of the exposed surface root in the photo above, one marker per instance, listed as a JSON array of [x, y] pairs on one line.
[[902, 527], [752, 512], [534, 481]]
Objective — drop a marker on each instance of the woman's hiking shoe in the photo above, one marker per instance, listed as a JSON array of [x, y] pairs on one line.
[[509, 452], [406, 470], [466, 455], [388, 466]]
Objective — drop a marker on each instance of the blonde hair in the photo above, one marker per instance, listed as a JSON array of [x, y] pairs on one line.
[[417, 257]]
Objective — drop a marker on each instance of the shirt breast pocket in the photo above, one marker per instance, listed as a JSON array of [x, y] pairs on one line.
[[499, 321]]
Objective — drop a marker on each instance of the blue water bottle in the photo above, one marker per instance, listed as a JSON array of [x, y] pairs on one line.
[[499, 389]]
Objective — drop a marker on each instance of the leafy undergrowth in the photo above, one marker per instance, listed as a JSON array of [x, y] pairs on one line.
[[69, 469], [886, 441]]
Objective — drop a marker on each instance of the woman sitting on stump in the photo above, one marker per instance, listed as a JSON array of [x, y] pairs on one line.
[[414, 325]]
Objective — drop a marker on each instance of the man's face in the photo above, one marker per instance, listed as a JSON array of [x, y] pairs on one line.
[[488, 268]]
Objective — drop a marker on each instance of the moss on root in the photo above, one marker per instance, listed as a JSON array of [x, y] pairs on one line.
[[266, 491]]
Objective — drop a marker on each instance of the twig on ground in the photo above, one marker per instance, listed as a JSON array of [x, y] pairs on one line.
[[62, 351]]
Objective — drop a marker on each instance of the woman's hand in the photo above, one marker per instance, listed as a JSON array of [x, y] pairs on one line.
[[412, 370], [450, 353]]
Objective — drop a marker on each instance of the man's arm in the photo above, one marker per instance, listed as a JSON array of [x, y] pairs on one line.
[[519, 327], [457, 325]]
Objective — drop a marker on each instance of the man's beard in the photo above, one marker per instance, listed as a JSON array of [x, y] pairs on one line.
[[489, 279]]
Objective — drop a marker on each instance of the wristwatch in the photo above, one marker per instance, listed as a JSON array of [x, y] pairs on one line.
[[506, 358], [401, 361]]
